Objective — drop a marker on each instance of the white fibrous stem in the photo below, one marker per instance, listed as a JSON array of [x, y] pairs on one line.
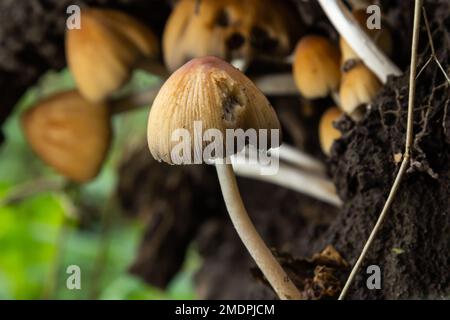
[[358, 40], [288, 177], [279, 84], [261, 254], [298, 158]]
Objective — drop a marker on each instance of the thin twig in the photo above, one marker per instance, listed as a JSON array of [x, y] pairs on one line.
[[406, 157], [433, 50]]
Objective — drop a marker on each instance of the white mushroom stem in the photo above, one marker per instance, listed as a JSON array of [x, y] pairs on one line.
[[359, 41], [262, 255], [280, 84], [358, 4], [319, 188], [294, 156]]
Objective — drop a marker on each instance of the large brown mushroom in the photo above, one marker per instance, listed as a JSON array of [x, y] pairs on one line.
[[212, 93], [228, 29], [107, 47], [70, 134], [316, 67]]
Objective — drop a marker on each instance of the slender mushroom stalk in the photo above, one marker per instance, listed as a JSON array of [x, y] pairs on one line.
[[255, 245], [299, 158], [359, 41], [288, 177], [382, 38], [213, 94]]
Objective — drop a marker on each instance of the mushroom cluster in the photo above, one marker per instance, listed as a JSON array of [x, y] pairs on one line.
[[323, 69], [228, 29], [71, 131]]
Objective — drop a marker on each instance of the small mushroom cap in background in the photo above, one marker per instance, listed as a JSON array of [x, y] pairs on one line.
[[382, 37], [70, 134], [103, 52], [327, 132], [316, 67], [359, 86], [211, 91], [228, 29]]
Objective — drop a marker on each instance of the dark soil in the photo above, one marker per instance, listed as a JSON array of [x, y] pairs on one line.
[[413, 247]]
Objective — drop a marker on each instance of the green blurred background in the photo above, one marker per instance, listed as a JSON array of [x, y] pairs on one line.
[[43, 233]]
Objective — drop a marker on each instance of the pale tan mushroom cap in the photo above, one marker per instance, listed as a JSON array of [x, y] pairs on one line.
[[316, 67], [213, 92], [327, 132], [70, 134], [103, 52], [359, 86]]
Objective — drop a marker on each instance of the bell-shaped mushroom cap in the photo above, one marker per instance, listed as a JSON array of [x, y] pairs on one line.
[[382, 37], [327, 132], [210, 92], [228, 29], [102, 53], [316, 67], [359, 86], [70, 134]]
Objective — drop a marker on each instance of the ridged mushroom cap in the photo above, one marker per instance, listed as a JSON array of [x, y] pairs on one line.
[[70, 134], [211, 91], [316, 67], [359, 86], [327, 132], [103, 52]]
